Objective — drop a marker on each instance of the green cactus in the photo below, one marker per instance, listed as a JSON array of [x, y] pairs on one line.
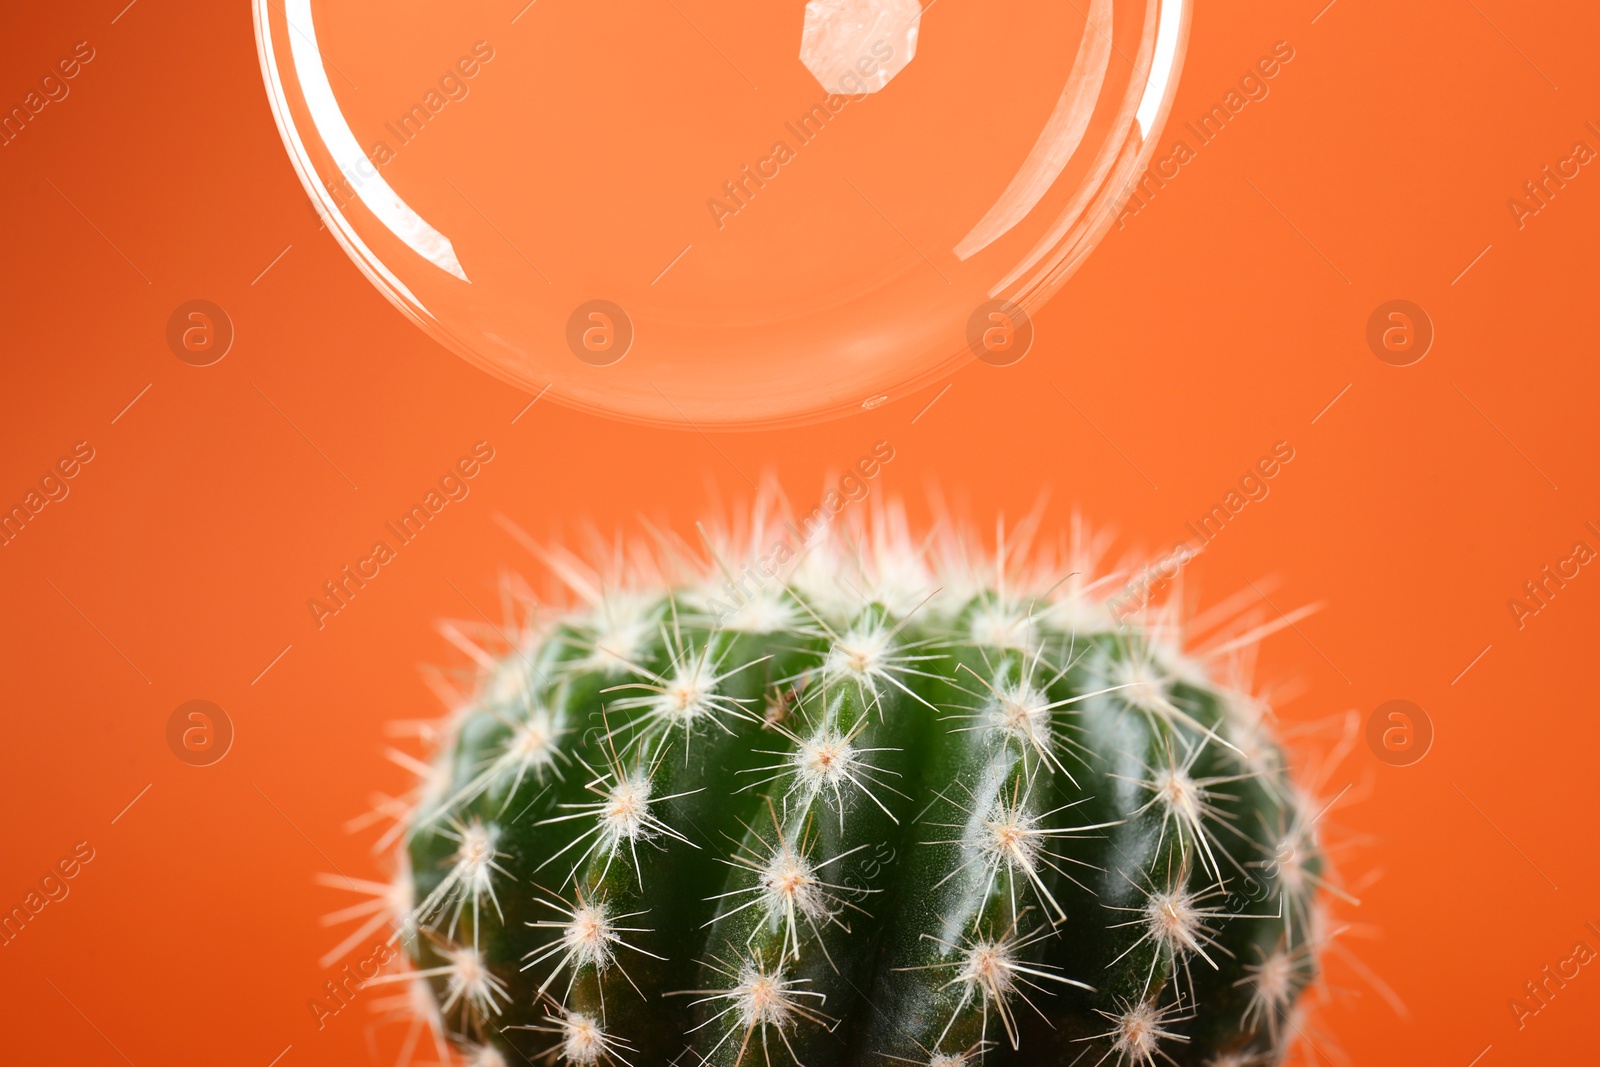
[[876, 812]]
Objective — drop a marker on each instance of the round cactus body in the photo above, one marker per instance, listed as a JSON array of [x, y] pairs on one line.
[[876, 812]]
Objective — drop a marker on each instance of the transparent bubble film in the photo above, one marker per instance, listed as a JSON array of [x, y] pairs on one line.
[[715, 213]]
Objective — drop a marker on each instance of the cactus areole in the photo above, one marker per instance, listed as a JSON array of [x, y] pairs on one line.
[[879, 811]]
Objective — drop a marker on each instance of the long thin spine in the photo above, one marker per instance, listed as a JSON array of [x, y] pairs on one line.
[[665, 801], [1272, 863], [796, 930], [1160, 916], [508, 767], [980, 890]]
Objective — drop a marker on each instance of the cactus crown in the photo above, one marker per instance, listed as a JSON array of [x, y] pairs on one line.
[[894, 803]]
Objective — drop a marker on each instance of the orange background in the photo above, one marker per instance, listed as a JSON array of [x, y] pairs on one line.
[[1223, 318]]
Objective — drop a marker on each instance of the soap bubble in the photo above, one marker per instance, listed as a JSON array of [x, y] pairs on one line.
[[718, 213]]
